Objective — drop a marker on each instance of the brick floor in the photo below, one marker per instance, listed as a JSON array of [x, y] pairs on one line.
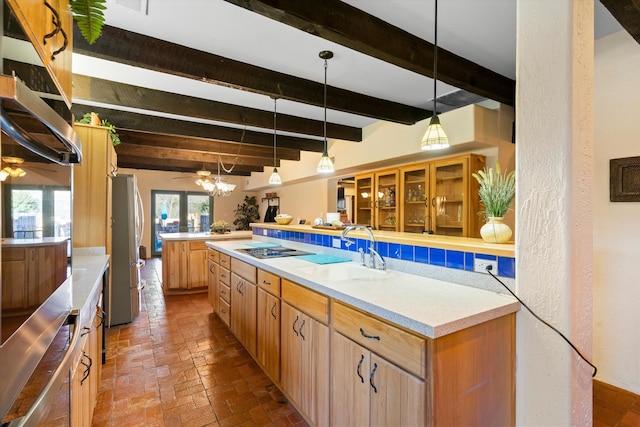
[[177, 364]]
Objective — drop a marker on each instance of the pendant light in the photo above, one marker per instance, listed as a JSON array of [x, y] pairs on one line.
[[325, 165], [435, 138], [274, 179]]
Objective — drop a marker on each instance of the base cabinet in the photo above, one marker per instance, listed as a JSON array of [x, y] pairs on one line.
[[269, 333], [305, 365], [184, 266]]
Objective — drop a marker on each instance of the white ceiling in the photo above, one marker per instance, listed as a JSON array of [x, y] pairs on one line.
[[483, 31]]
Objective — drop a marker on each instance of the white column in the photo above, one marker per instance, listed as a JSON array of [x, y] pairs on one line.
[[554, 148]]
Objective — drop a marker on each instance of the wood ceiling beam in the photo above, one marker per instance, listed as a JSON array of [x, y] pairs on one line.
[[135, 162], [162, 125], [138, 50], [109, 92], [199, 144], [348, 26], [89, 89], [627, 13], [195, 157]]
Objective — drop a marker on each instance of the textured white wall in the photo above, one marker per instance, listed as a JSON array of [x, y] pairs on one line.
[[554, 232], [616, 278]]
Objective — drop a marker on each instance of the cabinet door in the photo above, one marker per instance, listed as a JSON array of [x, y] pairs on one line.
[[349, 382], [250, 293], [290, 353], [269, 333], [14, 278], [414, 199], [174, 264], [386, 206], [364, 199], [396, 397], [197, 269], [213, 285], [314, 370]]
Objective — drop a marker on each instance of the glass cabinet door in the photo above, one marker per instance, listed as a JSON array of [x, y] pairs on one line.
[[386, 206], [414, 187], [364, 199]]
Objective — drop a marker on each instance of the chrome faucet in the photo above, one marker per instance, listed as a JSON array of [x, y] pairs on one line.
[[375, 259]]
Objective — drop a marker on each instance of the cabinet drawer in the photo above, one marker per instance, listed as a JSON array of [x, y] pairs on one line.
[[12, 254], [197, 245], [225, 261], [224, 312], [244, 270], [225, 293], [306, 300], [391, 342], [224, 276], [214, 255], [269, 282]]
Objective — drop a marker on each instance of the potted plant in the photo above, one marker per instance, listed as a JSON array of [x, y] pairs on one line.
[[219, 226], [94, 120], [246, 213], [497, 191]]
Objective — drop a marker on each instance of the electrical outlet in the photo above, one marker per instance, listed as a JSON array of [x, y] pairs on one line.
[[336, 243], [480, 265], [264, 232]]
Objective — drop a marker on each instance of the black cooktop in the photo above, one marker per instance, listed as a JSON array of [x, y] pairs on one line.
[[275, 252]]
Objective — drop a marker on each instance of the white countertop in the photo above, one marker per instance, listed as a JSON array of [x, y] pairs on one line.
[[427, 306], [245, 234], [41, 241], [86, 284]]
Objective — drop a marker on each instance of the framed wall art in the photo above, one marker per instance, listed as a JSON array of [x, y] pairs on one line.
[[624, 179]]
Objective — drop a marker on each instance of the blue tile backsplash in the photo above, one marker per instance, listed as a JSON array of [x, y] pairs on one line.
[[435, 256]]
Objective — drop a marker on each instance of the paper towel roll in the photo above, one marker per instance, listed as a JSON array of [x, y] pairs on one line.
[[332, 216]]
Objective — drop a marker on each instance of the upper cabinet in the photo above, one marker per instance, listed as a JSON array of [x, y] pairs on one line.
[[454, 196], [436, 197], [49, 26], [92, 188]]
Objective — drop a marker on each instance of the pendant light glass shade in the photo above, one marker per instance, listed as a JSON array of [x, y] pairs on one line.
[[274, 179], [435, 138], [325, 165]]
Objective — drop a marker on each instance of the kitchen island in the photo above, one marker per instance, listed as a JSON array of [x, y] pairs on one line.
[[350, 345], [184, 259]]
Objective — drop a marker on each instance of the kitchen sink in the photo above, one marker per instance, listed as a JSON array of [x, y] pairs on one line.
[[274, 252]]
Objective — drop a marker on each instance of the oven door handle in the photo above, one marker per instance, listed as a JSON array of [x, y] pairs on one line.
[[37, 410]]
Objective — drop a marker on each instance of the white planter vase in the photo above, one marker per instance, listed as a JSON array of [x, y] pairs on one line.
[[495, 231]]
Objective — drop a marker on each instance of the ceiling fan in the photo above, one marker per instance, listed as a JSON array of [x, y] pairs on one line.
[[14, 170]]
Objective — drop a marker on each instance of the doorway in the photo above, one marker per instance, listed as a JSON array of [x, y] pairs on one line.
[[178, 212]]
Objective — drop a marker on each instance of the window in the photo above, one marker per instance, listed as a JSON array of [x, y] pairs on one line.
[[37, 211]]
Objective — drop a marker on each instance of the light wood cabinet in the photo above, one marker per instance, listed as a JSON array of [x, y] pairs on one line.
[[268, 350], [304, 353], [439, 197], [185, 266], [368, 390], [454, 196], [244, 295], [224, 289], [30, 274], [92, 188], [37, 21], [212, 276]]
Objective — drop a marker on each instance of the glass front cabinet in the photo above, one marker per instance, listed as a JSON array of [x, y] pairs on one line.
[[434, 197], [454, 196]]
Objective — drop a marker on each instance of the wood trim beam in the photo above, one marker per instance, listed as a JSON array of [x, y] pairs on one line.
[[109, 92], [138, 50], [135, 162], [228, 149], [627, 13], [341, 23], [154, 124], [170, 155]]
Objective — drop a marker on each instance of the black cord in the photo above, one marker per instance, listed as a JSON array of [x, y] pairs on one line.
[[595, 370]]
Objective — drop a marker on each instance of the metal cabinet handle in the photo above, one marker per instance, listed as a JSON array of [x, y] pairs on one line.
[[223, 311], [223, 291], [85, 331], [87, 371], [300, 330], [371, 337], [211, 269], [375, 366], [101, 315], [266, 282], [294, 325], [273, 308], [358, 368]]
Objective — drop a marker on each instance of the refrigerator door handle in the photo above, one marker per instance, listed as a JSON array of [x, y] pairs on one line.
[[140, 218]]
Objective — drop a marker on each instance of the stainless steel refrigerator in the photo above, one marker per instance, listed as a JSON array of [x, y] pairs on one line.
[[127, 225]]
